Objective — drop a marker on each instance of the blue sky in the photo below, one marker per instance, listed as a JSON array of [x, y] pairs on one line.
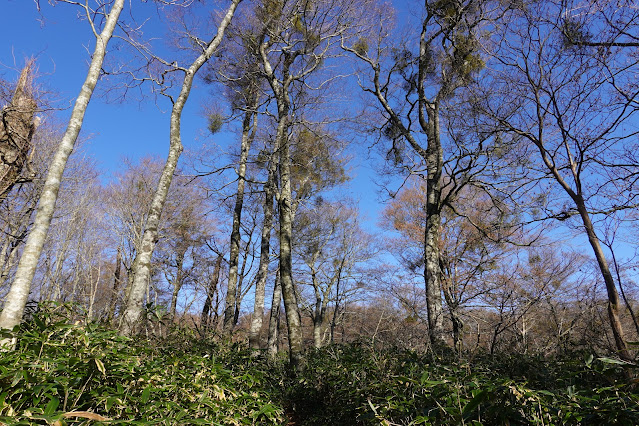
[[59, 40]]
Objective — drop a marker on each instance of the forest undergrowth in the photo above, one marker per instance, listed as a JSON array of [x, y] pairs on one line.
[[71, 373]]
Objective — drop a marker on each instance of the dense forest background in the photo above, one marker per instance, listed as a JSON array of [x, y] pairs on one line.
[[503, 136]]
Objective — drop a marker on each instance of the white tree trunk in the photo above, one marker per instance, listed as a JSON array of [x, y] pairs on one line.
[[142, 264], [16, 300]]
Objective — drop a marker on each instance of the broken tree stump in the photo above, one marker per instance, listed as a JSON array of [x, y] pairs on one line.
[[17, 125]]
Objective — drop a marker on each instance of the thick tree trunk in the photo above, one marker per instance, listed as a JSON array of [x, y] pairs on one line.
[[432, 273], [231, 311], [16, 300], [319, 314], [17, 125], [274, 320], [142, 263], [265, 258]]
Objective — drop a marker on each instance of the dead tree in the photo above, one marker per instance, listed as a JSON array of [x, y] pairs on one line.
[[17, 125]]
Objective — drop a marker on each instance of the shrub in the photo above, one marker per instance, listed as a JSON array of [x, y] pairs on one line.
[[60, 368]]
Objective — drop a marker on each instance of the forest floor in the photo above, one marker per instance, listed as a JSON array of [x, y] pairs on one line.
[[60, 368]]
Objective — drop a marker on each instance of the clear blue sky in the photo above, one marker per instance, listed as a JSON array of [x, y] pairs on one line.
[[59, 41]]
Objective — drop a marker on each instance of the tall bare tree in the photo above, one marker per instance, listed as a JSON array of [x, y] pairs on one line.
[[17, 298], [142, 262], [413, 81], [567, 106], [295, 38]]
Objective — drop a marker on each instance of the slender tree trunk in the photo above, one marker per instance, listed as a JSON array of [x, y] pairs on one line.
[[336, 307], [16, 300], [174, 297], [205, 319], [458, 324], [265, 257], [611, 289], [117, 281], [142, 263], [286, 260], [285, 203], [274, 320], [248, 132], [178, 282]]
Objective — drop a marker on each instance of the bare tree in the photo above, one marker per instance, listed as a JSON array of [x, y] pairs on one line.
[[558, 103], [17, 298], [141, 264], [298, 37], [414, 81], [331, 247]]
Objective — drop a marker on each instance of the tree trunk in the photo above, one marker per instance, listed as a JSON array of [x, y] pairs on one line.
[[117, 281], [142, 263], [177, 282], [274, 321], [318, 322], [265, 257], [286, 260], [458, 324], [205, 319], [432, 273], [16, 300], [248, 132], [611, 289], [17, 126], [285, 203]]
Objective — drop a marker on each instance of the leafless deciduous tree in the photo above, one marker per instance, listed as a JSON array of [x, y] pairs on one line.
[[17, 297], [141, 264], [564, 105], [414, 79]]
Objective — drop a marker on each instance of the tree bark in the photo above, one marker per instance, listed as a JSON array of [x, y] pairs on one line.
[[142, 263], [248, 132], [286, 260], [265, 257], [17, 125], [117, 281], [16, 300], [274, 320], [205, 320]]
